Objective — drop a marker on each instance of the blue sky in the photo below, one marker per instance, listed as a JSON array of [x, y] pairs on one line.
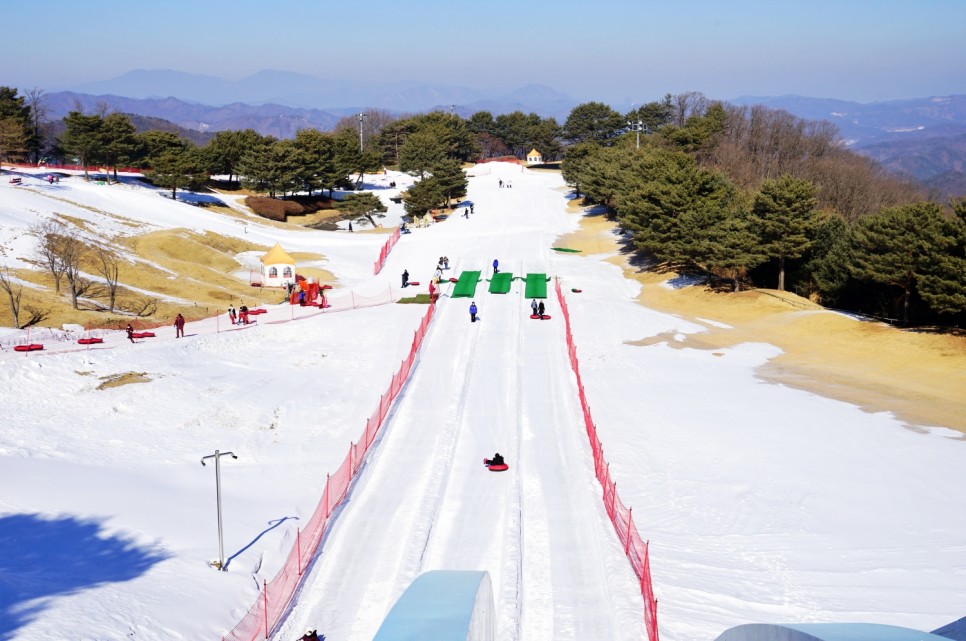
[[607, 50]]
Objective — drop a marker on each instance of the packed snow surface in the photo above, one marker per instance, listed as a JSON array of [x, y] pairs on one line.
[[762, 503]]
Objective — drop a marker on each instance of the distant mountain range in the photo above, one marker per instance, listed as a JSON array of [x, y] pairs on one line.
[[923, 138], [338, 96]]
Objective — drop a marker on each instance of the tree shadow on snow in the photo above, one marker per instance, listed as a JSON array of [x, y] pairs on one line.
[[48, 557]]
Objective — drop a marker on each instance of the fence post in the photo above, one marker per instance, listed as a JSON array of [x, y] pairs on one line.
[[265, 604], [630, 521], [298, 545], [327, 477]]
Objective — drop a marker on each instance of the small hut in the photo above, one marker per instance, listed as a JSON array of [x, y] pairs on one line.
[[278, 268], [534, 157]]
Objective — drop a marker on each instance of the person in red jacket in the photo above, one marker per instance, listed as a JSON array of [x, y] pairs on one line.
[[179, 326]]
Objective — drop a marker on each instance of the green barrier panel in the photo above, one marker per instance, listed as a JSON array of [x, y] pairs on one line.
[[536, 286], [466, 285], [500, 284], [566, 249]]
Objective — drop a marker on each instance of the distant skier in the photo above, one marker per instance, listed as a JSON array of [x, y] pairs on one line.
[[179, 326], [540, 309], [473, 312], [533, 306]]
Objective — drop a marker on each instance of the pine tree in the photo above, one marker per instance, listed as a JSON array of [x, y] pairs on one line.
[[784, 214], [901, 245]]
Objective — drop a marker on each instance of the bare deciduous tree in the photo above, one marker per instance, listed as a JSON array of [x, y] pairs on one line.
[[61, 250], [49, 234], [14, 292], [108, 266]]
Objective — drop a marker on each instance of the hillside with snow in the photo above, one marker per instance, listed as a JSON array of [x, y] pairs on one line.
[[762, 503]]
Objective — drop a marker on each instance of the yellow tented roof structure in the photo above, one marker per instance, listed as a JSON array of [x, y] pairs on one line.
[[277, 256], [533, 152]]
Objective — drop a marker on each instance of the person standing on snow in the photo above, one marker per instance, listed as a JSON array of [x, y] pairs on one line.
[[473, 312], [405, 278], [130, 332], [533, 306], [232, 314], [496, 266], [540, 309], [179, 326]]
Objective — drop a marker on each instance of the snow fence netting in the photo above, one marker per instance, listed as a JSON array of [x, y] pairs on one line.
[[267, 610], [384, 252], [621, 516]]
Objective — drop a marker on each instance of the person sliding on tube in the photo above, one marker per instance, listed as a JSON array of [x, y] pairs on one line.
[[311, 635], [540, 309], [497, 459]]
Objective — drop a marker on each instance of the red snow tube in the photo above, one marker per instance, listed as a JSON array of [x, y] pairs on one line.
[[454, 280], [32, 347], [256, 312], [326, 287], [536, 317], [413, 282], [142, 335], [502, 467], [89, 341]]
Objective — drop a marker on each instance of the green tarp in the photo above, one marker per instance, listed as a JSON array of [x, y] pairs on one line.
[[500, 284], [466, 285], [536, 286]]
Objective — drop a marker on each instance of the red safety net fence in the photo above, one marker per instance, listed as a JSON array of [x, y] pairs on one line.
[[384, 252], [635, 547], [271, 604]]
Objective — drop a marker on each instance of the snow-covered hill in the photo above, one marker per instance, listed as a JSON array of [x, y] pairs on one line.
[[761, 503]]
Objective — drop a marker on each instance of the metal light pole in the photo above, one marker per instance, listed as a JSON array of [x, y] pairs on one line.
[[637, 126], [221, 540], [362, 118]]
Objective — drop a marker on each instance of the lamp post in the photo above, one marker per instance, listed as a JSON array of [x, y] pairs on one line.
[[362, 118], [637, 126], [221, 541]]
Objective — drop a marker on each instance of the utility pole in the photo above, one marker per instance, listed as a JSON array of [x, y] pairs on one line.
[[362, 119], [221, 539], [638, 126]]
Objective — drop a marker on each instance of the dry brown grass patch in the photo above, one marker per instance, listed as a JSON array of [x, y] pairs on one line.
[[127, 378], [919, 376]]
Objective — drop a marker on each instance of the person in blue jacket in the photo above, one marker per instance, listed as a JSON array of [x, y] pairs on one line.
[[473, 312], [496, 266]]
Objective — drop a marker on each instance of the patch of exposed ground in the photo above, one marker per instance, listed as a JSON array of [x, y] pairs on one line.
[[919, 376], [127, 378]]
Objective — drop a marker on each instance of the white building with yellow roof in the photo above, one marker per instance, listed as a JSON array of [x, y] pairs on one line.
[[534, 157], [278, 268]]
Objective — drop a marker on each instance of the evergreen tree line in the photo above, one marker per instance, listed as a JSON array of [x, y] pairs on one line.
[[752, 196], [748, 195]]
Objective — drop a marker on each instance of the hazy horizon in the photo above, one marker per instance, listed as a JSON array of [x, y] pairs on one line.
[[621, 52]]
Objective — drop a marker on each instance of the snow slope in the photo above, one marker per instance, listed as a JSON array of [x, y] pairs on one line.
[[761, 502]]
